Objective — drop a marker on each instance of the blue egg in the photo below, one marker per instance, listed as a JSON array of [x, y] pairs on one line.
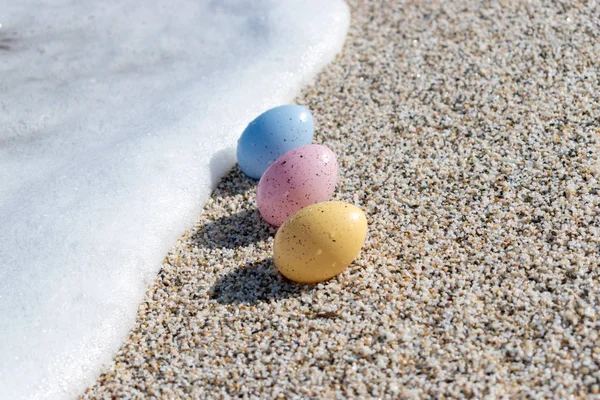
[[272, 134]]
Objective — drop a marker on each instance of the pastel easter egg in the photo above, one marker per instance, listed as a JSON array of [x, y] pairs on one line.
[[272, 134], [299, 178], [319, 241]]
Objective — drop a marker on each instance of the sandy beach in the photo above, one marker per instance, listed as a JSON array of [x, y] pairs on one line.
[[469, 134]]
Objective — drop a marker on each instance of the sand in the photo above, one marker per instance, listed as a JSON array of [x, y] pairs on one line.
[[469, 133]]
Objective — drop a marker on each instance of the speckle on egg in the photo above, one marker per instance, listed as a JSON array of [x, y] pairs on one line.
[[272, 134], [319, 241], [301, 177]]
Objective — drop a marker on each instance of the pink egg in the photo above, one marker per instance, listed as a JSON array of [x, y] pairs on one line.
[[299, 178]]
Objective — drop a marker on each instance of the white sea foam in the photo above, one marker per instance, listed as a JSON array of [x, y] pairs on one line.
[[116, 120]]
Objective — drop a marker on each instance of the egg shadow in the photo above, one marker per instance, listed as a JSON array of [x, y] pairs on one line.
[[232, 231], [255, 283], [234, 182]]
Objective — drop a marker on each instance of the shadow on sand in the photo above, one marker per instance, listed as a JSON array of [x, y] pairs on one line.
[[232, 231], [251, 283], [254, 283]]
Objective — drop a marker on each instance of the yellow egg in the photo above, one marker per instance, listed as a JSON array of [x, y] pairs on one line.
[[319, 241]]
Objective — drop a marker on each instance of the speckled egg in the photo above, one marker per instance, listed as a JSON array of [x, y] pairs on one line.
[[319, 241], [272, 134], [299, 178]]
